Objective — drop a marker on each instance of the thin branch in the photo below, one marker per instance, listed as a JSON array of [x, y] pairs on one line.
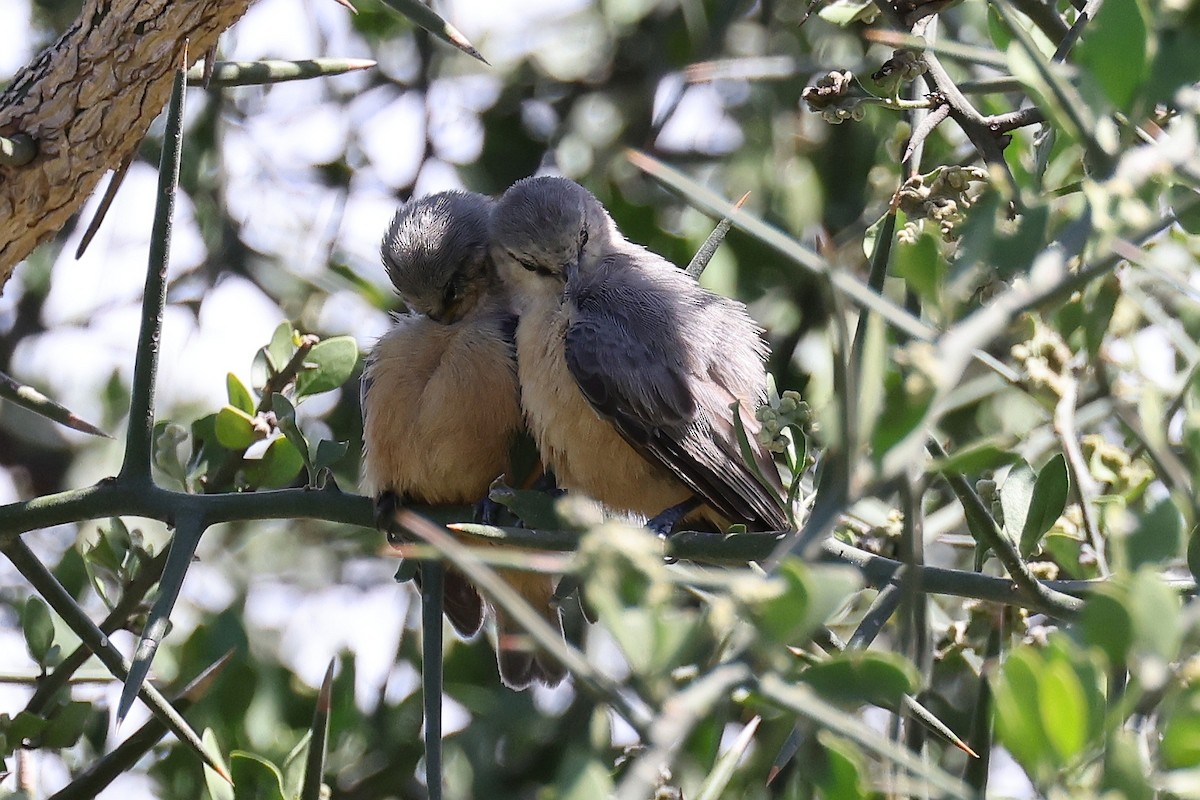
[[138, 444], [671, 728], [1081, 478], [110, 194], [587, 677], [133, 595], [101, 773], [990, 536], [1045, 17], [65, 606]]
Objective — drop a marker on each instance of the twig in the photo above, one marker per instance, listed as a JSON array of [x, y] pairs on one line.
[[670, 729], [110, 194], [991, 537], [1081, 477], [503, 595], [101, 773], [133, 595], [138, 445], [65, 606]]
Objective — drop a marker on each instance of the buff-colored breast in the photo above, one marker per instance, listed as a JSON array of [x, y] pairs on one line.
[[441, 410]]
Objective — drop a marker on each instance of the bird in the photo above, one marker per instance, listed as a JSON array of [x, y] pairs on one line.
[[441, 403], [629, 369]]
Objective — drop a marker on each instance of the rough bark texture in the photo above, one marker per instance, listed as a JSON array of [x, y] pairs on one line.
[[88, 99]]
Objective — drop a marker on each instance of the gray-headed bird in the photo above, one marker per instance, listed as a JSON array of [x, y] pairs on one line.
[[629, 369], [441, 404]]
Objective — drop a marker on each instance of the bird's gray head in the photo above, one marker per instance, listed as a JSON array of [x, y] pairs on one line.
[[436, 254], [548, 227]]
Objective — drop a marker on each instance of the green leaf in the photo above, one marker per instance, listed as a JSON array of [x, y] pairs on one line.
[[1060, 701], [748, 450], [24, 727], [329, 453], [256, 777], [1158, 536], [1156, 613], [922, 265], [1125, 769], [1099, 314], [1018, 724], [905, 403], [1180, 745], [1107, 623], [978, 457], [38, 627], [283, 345], [327, 366], [845, 12], [1114, 50], [285, 418], [806, 596], [535, 509], [277, 468], [66, 726], [997, 30], [1016, 493], [235, 428], [583, 777], [1176, 64], [239, 395], [1049, 499], [855, 677], [839, 773]]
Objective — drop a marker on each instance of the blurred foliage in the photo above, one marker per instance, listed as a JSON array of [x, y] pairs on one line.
[[1028, 194]]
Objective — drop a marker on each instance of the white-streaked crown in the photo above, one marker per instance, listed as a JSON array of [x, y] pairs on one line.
[[436, 253]]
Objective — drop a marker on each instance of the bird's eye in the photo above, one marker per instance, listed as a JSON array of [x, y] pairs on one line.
[[529, 265], [583, 238], [452, 293]]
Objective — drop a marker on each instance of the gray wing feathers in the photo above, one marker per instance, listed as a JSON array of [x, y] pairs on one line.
[[663, 359]]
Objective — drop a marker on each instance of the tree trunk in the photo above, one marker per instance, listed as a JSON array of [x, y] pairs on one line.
[[87, 101]]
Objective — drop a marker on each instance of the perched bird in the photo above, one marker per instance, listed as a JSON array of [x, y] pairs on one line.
[[628, 368], [441, 404]]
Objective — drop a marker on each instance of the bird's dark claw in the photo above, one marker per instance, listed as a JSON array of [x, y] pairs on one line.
[[664, 522], [386, 506], [487, 511]]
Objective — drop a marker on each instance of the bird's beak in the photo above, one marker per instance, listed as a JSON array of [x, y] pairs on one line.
[[570, 270]]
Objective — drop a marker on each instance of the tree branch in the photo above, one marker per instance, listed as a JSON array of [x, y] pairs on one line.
[[87, 100]]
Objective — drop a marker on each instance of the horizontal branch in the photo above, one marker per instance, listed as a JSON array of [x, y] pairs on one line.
[[111, 499]]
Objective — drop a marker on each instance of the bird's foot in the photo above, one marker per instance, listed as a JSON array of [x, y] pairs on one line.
[[664, 522], [487, 511], [386, 506]]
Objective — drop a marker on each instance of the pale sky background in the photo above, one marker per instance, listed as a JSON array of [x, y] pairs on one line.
[[92, 310]]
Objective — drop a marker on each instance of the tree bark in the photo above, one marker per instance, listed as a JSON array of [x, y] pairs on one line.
[[87, 101]]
